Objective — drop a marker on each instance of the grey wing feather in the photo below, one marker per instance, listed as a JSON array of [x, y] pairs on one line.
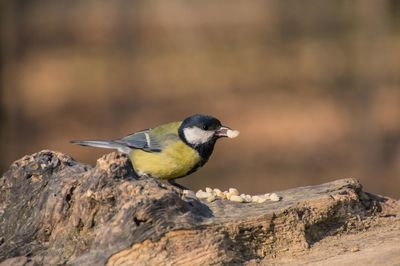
[[103, 144], [141, 140]]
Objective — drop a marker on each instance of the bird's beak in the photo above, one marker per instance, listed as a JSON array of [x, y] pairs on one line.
[[226, 132]]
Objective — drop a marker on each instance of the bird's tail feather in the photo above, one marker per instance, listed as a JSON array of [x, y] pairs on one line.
[[103, 144]]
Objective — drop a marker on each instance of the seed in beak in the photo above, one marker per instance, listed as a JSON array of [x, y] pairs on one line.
[[227, 132], [232, 133]]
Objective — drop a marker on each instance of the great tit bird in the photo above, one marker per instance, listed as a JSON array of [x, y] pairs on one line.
[[172, 150]]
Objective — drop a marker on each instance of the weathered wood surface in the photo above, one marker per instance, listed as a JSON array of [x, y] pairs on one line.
[[54, 210]]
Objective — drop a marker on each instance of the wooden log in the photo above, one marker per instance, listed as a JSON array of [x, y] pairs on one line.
[[54, 210]]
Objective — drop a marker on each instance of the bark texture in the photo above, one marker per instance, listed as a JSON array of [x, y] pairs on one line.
[[54, 210]]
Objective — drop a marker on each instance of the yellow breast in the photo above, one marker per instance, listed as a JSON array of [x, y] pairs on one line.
[[176, 160]]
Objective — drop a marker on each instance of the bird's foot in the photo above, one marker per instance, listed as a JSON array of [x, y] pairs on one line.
[[145, 175], [173, 182]]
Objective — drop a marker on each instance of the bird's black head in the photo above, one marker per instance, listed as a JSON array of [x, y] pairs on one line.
[[202, 131], [203, 122]]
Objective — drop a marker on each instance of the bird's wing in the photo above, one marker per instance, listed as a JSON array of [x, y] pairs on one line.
[[141, 140], [152, 140]]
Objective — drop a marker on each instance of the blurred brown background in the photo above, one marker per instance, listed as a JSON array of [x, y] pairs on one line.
[[313, 86]]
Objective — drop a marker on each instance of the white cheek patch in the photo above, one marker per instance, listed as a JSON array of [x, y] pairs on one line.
[[197, 136]]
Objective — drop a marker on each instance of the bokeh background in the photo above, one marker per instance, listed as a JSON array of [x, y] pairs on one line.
[[313, 86]]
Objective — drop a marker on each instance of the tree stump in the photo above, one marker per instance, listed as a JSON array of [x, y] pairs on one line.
[[54, 210]]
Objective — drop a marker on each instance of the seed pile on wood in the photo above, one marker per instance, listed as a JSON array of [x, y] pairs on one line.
[[232, 194]]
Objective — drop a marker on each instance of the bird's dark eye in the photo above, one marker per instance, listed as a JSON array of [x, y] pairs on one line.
[[205, 127]]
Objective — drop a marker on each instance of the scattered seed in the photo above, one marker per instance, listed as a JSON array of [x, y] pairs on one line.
[[232, 194], [217, 191], [211, 198], [209, 190], [236, 198], [234, 191], [255, 198], [222, 195], [202, 194], [246, 198], [274, 197], [258, 199]]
